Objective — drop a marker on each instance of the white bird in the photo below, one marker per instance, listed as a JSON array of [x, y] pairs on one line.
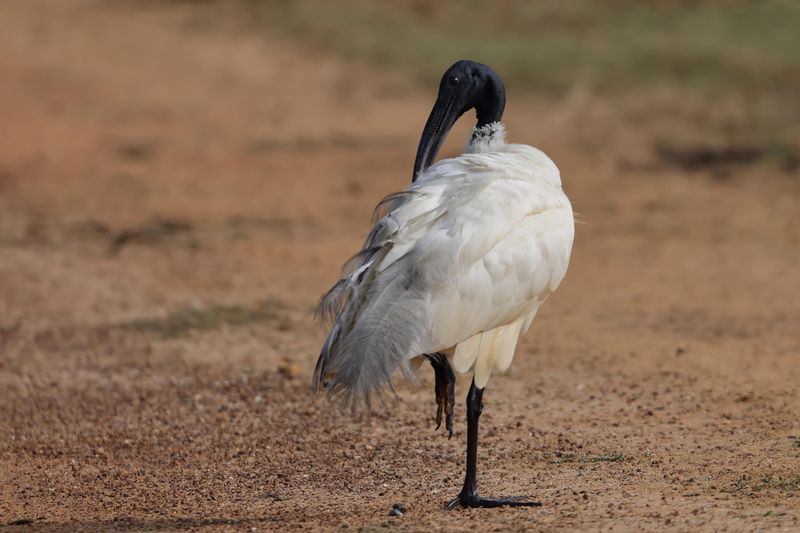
[[463, 258]]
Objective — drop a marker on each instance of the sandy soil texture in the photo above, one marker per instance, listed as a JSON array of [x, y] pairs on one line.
[[174, 198]]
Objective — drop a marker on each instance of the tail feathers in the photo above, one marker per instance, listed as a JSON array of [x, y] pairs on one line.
[[375, 334], [355, 272], [505, 344], [466, 353], [376, 309], [333, 304], [321, 378], [485, 360], [487, 351]]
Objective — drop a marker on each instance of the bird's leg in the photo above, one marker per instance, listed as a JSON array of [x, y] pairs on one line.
[[469, 494], [445, 389]]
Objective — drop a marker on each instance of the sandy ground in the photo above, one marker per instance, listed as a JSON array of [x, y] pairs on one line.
[[174, 197]]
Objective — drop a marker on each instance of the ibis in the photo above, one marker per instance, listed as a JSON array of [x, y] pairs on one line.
[[455, 267]]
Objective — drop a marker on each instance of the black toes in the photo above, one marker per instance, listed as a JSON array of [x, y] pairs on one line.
[[474, 500], [445, 390]]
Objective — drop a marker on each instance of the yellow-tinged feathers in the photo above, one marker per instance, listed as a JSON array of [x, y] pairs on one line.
[[485, 361], [496, 351], [466, 353], [505, 344]]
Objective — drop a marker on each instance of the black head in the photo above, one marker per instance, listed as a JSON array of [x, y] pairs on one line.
[[464, 86]]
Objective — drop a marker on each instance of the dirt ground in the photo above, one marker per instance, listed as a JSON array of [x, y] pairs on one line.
[[174, 197]]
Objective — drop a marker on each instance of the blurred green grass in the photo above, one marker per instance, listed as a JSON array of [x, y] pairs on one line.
[[613, 46]]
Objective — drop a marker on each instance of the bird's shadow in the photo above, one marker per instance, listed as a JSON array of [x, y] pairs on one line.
[[129, 524]]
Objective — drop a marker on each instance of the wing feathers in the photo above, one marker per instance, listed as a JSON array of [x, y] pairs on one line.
[[377, 333], [375, 308]]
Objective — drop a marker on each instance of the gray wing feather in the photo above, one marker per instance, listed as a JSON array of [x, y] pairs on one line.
[[374, 314]]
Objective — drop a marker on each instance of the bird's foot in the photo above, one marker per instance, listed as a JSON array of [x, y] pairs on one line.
[[445, 390], [445, 401], [473, 500]]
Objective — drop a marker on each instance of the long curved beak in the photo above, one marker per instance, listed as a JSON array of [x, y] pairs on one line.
[[443, 115]]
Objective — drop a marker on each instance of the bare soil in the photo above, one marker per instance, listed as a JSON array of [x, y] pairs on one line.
[[174, 197]]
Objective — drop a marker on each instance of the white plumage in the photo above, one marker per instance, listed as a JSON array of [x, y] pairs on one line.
[[463, 258]]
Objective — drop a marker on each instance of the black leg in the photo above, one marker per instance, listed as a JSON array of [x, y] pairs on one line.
[[445, 389], [469, 494]]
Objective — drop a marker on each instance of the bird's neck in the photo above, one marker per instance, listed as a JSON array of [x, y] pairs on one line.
[[489, 108], [489, 138]]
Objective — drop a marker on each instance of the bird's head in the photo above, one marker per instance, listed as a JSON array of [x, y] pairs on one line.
[[465, 85]]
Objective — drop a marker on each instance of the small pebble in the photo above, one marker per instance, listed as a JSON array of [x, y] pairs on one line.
[[397, 510]]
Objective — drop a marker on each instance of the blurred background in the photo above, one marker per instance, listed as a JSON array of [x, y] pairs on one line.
[[181, 180]]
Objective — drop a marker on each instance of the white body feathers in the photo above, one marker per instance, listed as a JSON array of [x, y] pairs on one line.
[[464, 257]]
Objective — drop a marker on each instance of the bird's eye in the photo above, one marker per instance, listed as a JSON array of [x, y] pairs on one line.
[[453, 80]]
